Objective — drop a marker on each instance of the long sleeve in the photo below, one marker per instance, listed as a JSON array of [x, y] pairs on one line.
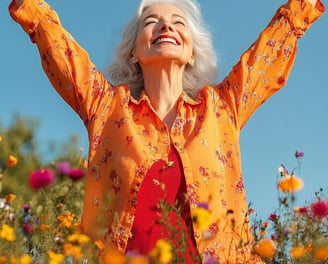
[[264, 68], [66, 64]]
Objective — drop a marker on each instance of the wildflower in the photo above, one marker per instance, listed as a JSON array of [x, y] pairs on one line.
[[299, 154], [290, 183], [63, 167], [162, 251], [265, 248], [282, 170], [7, 233], [44, 227], [297, 252], [11, 161], [55, 258], [273, 217], [3, 260], [320, 209], [76, 174], [321, 253], [66, 219], [25, 260], [41, 178], [201, 218], [72, 250], [78, 238], [99, 244], [135, 258], [28, 229], [300, 210]]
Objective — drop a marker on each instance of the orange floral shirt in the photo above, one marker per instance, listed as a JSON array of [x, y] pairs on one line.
[[126, 136]]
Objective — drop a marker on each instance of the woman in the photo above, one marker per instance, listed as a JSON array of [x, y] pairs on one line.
[[164, 133]]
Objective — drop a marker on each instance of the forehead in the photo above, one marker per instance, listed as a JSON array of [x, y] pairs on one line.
[[162, 10]]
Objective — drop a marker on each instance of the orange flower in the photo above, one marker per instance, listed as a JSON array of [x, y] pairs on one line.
[[10, 197], [290, 183], [265, 248], [44, 227], [321, 253], [11, 161], [99, 244], [297, 252]]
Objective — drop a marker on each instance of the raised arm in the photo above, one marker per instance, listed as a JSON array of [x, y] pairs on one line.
[[66, 64], [264, 68]]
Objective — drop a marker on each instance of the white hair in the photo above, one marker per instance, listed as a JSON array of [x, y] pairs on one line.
[[203, 71]]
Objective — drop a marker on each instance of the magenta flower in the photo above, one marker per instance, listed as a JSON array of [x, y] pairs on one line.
[[41, 178], [64, 167], [273, 217], [76, 174], [28, 229], [320, 209], [299, 154]]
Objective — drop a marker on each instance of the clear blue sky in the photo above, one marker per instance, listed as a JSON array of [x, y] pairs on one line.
[[293, 119]]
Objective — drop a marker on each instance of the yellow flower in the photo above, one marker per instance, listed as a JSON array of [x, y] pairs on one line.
[[7, 233], [290, 183], [11, 161], [55, 258], [78, 238], [201, 218], [321, 253], [72, 250], [297, 252], [162, 251], [265, 248], [25, 260]]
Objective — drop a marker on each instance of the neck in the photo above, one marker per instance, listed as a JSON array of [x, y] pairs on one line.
[[163, 86]]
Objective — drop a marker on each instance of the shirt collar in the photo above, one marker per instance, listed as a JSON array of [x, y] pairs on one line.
[[184, 97]]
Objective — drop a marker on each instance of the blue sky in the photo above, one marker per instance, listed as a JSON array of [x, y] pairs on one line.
[[293, 119]]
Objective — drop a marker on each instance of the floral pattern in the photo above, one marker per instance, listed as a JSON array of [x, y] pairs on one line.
[[127, 138]]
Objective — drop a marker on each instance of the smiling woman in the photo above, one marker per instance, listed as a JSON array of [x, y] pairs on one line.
[[150, 125]]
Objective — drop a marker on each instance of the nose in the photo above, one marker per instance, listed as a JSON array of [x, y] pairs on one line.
[[166, 26]]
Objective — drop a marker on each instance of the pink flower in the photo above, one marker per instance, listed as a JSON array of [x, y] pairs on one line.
[[299, 154], [41, 178], [76, 174], [28, 229], [320, 209], [63, 167]]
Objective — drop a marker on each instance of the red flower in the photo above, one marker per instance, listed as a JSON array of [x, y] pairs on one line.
[[76, 174], [41, 178], [320, 209]]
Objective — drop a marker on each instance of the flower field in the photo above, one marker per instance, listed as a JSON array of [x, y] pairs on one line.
[[44, 226]]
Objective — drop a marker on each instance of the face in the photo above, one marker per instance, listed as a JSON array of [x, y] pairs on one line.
[[163, 36]]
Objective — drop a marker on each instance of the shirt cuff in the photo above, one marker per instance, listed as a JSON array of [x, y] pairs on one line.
[[301, 14], [29, 14]]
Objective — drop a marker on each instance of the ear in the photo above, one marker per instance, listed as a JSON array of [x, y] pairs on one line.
[[191, 60], [134, 59]]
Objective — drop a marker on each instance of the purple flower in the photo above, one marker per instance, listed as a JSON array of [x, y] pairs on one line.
[[64, 167], [41, 178], [299, 154], [26, 208], [76, 174]]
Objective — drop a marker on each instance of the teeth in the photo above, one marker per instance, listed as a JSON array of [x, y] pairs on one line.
[[171, 40]]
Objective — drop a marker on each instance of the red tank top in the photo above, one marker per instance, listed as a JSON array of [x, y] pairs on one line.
[[164, 180]]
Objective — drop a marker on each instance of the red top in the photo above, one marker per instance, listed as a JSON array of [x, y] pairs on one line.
[[164, 180]]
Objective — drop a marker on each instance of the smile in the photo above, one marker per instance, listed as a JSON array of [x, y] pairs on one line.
[[165, 39]]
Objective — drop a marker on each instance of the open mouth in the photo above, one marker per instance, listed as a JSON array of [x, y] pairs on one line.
[[165, 39]]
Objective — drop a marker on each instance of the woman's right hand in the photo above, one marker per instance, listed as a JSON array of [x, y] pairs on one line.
[[18, 2]]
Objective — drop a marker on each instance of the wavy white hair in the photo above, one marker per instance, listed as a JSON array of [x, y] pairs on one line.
[[204, 70]]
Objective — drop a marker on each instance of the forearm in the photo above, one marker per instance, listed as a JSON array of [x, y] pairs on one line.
[[66, 64]]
